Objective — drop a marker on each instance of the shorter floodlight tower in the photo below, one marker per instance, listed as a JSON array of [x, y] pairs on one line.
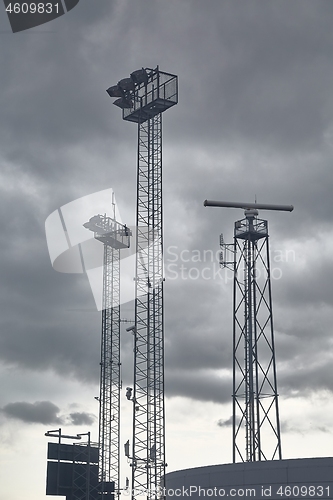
[[114, 236], [255, 397]]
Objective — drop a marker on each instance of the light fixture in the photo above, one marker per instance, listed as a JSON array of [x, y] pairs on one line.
[[139, 76], [123, 103], [114, 91], [92, 223], [126, 446], [129, 393], [152, 453], [131, 329], [126, 84]]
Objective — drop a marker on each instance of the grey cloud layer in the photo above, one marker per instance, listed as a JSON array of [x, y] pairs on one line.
[[255, 117], [44, 412]]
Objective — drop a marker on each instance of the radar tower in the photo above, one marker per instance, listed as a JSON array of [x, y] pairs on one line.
[[255, 398]]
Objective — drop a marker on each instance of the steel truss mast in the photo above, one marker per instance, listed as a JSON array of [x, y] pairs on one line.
[[143, 97], [114, 237]]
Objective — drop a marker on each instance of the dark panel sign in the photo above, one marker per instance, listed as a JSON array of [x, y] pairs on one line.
[[65, 452]]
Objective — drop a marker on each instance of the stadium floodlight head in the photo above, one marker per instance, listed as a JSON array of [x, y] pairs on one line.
[[114, 91], [145, 94], [92, 224], [126, 84], [122, 90], [139, 76], [123, 103], [245, 206]]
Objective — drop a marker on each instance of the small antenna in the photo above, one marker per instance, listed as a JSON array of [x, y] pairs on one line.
[[113, 206]]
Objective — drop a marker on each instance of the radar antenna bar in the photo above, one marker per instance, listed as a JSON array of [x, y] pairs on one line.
[[259, 206]]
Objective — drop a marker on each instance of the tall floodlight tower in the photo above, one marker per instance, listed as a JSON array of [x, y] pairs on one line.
[[143, 98], [255, 398], [114, 236]]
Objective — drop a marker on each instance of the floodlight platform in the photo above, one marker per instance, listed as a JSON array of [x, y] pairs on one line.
[[150, 99]]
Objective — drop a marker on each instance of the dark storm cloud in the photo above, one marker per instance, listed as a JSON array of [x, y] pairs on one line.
[[41, 328], [82, 418], [309, 374], [254, 71], [191, 343], [200, 385], [309, 286], [44, 412], [198, 339], [225, 423], [254, 117], [41, 412], [287, 427]]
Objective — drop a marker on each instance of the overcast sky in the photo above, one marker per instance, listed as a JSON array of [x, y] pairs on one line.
[[254, 119]]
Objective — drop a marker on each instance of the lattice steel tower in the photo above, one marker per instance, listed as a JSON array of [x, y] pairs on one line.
[[255, 398], [114, 236], [144, 97]]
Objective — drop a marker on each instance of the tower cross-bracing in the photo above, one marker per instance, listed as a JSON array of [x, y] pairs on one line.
[[114, 236], [256, 423], [143, 97]]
